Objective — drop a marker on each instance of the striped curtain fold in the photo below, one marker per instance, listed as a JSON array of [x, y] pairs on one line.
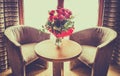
[[8, 17], [111, 19]]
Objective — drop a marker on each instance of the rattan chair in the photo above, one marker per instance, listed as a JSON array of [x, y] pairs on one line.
[[20, 42], [97, 48]]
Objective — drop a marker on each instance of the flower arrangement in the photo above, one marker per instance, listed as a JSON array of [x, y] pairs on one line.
[[60, 22]]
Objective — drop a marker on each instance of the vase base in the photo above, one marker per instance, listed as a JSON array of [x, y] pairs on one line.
[[58, 42]]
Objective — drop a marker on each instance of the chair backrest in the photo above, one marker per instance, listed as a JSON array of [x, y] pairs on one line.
[[25, 34], [94, 36]]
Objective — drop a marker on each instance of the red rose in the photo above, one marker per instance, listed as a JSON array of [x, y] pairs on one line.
[[63, 9], [68, 11], [55, 17], [66, 15], [59, 11], [61, 17], [51, 18], [52, 12], [64, 33]]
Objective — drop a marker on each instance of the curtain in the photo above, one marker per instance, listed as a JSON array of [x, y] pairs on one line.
[[8, 17], [111, 19]]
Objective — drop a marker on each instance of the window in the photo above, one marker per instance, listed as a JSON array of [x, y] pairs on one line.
[[36, 11], [85, 12]]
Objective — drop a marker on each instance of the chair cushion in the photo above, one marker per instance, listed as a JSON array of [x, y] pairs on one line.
[[28, 52], [88, 54]]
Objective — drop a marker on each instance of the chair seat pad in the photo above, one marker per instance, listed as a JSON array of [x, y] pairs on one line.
[[88, 54], [28, 52]]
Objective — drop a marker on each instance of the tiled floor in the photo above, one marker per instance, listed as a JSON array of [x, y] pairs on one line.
[[82, 70]]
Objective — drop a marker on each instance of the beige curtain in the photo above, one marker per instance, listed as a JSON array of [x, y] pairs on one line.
[[8, 17]]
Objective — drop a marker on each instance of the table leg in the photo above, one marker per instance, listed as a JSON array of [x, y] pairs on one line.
[[57, 68]]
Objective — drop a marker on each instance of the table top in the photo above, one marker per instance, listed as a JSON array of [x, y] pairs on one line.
[[48, 50]]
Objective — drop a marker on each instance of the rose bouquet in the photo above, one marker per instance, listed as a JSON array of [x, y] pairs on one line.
[[60, 22]]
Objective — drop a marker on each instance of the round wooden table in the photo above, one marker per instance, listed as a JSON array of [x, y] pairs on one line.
[[49, 51]]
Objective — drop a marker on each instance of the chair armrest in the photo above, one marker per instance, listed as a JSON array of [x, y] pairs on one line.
[[10, 37], [103, 58], [110, 41], [16, 43], [15, 58], [13, 50], [103, 44]]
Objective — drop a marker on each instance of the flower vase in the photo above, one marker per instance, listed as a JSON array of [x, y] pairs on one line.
[[58, 42]]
